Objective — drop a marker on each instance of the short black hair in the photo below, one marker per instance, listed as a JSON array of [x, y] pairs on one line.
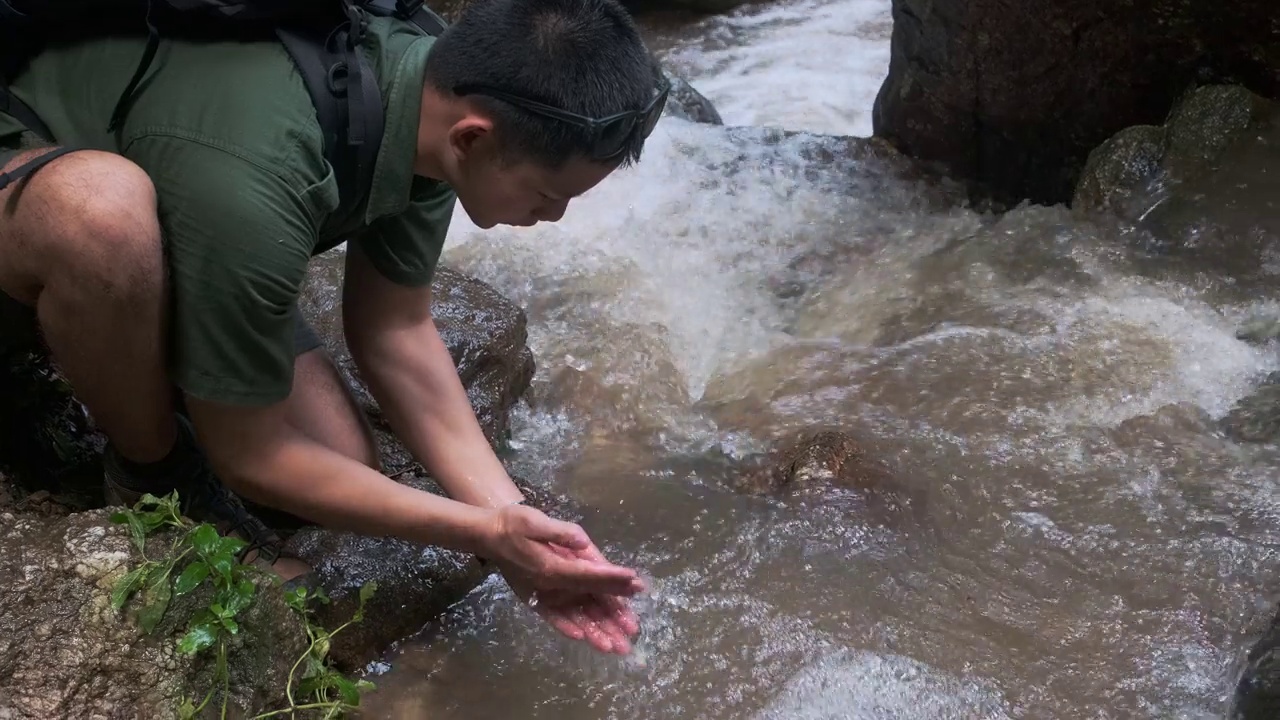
[[583, 56]]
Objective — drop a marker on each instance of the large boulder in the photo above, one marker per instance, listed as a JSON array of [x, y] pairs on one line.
[[1142, 164], [65, 652], [484, 331], [686, 103], [1011, 95]]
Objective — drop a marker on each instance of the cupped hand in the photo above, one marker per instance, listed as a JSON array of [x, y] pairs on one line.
[[554, 555], [555, 568]]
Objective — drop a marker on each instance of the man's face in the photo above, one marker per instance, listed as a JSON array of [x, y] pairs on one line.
[[523, 193]]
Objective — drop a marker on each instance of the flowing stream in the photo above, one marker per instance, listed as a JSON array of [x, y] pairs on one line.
[[1086, 541]]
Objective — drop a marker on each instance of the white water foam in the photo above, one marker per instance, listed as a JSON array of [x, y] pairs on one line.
[[813, 65], [859, 685]]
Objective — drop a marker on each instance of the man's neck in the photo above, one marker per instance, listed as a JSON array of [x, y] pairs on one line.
[[431, 123]]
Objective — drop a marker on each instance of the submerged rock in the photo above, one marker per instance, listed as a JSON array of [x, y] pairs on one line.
[[64, 652], [1011, 95], [1256, 417], [827, 467]]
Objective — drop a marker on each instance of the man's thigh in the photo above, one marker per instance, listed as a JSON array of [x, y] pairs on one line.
[[323, 406]]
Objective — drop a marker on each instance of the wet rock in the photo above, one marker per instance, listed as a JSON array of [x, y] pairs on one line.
[[1129, 171], [484, 331], [630, 384], [831, 467], [415, 583], [46, 439], [1257, 695], [65, 653], [1011, 95], [1259, 329], [688, 104], [1256, 417]]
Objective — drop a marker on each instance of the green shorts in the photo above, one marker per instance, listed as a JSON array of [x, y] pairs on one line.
[[19, 320]]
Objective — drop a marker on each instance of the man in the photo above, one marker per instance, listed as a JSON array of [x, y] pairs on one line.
[[163, 263]]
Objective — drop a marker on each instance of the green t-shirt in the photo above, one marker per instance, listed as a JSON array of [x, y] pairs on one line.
[[229, 136]]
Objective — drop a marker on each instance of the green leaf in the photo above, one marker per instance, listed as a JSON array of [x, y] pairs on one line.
[[151, 500], [350, 695], [126, 585], [187, 710], [195, 573], [231, 625], [204, 617], [138, 532], [315, 668], [156, 601], [221, 563], [367, 590], [322, 645], [231, 544], [197, 638], [240, 597], [121, 517], [296, 598], [153, 519], [218, 610], [205, 540]]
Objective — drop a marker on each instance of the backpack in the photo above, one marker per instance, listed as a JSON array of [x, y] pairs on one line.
[[322, 37]]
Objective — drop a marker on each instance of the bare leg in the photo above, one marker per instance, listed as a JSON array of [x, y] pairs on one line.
[[81, 244], [323, 407]]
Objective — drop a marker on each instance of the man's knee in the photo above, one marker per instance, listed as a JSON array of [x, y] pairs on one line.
[[100, 228]]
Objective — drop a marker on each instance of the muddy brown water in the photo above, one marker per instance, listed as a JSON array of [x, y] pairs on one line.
[[1093, 547]]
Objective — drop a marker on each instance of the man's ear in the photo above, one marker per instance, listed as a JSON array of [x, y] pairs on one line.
[[470, 136]]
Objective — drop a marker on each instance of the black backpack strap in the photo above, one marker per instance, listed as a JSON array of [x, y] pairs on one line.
[[348, 104], [29, 167], [414, 11], [20, 111], [345, 92]]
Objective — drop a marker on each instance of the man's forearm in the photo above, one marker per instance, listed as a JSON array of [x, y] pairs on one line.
[[415, 382], [307, 479]]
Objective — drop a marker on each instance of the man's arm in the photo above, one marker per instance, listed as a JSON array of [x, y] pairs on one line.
[[260, 455], [394, 341]]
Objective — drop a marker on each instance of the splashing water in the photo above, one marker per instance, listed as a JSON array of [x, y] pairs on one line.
[[1093, 545]]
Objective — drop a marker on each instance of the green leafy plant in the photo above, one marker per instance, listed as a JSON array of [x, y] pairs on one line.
[[320, 689]]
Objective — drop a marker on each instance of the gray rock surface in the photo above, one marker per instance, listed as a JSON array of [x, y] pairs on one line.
[[65, 653], [1011, 95]]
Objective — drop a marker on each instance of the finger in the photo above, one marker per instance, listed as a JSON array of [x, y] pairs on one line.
[[603, 619], [622, 613], [588, 577], [595, 634], [565, 624], [547, 529], [592, 553]]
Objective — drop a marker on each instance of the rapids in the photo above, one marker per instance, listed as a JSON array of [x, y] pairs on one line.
[[1092, 544]]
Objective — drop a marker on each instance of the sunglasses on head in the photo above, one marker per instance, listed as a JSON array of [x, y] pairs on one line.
[[609, 135]]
